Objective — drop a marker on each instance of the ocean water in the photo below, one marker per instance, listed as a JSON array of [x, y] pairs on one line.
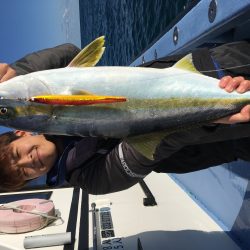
[[129, 26]]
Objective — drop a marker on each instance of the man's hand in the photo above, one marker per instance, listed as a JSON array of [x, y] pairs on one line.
[[6, 72], [241, 85], [243, 116], [234, 83]]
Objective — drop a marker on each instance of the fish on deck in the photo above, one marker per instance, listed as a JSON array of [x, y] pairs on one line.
[[121, 102]]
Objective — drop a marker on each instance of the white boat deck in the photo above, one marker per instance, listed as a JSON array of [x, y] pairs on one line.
[[177, 222]]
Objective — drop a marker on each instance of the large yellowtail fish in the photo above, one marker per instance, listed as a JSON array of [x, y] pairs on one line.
[[124, 102]]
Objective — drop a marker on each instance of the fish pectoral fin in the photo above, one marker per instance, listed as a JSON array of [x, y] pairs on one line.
[[81, 92], [90, 55], [76, 99], [146, 144], [186, 63]]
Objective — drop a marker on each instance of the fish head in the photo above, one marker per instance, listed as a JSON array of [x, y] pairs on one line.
[[24, 86], [6, 113], [23, 115]]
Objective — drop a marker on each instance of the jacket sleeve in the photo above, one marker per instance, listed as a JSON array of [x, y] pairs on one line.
[[123, 167], [120, 169], [199, 148], [234, 57], [57, 57], [201, 135]]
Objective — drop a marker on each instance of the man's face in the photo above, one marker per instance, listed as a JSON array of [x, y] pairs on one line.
[[32, 156]]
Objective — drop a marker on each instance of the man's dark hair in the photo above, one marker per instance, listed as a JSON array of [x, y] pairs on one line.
[[9, 181]]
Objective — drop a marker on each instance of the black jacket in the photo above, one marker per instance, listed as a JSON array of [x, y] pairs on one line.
[[103, 166], [57, 57]]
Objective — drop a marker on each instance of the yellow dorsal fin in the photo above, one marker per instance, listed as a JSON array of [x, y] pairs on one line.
[[186, 63], [90, 55]]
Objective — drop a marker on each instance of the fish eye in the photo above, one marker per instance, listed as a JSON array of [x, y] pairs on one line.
[[3, 111]]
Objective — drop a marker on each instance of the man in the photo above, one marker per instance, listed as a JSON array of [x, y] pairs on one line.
[[107, 165]]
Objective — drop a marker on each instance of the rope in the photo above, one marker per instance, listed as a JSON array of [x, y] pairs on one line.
[[234, 67], [30, 212]]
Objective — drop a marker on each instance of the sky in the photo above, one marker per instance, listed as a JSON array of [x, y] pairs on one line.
[[30, 25]]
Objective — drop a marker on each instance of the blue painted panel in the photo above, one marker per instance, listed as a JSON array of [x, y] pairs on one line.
[[223, 191], [195, 29], [241, 227]]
